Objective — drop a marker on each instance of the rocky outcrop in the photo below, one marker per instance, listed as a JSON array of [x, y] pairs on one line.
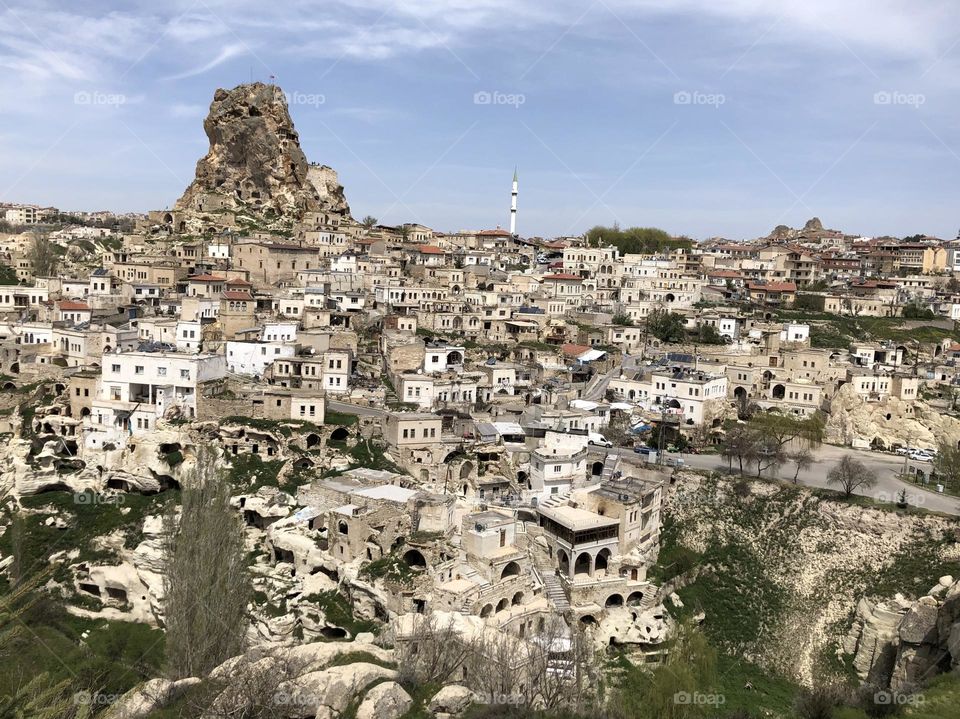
[[901, 644], [453, 700], [255, 171], [385, 701], [149, 697], [892, 421]]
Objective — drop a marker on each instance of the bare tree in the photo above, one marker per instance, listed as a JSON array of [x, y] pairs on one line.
[[767, 453], [801, 458], [850, 475], [740, 444], [206, 578], [432, 652]]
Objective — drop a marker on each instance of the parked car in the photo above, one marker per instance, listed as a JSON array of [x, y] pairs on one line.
[[597, 439], [904, 451], [674, 462], [920, 456]]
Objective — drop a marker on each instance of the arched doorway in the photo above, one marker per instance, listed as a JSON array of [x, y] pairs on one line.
[[563, 561], [414, 559], [487, 610], [602, 558], [583, 563], [512, 569], [596, 469], [635, 599], [614, 600], [779, 391], [340, 434], [517, 599], [502, 604]]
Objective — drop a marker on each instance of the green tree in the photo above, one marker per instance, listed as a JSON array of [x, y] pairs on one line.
[[666, 326], [43, 256], [679, 688], [206, 582], [709, 335], [946, 465], [916, 311], [369, 221], [635, 240], [622, 319]]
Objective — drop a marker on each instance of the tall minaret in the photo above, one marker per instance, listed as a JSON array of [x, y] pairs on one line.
[[513, 204]]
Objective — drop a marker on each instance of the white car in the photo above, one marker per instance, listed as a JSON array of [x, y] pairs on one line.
[[596, 439], [904, 451], [921, 456]]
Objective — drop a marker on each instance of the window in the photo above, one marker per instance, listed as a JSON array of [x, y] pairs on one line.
[[161, 371], [138, 369], [184, 374], [115, 368]]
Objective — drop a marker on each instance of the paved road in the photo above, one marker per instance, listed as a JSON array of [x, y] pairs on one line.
[[596, 391], [887, 468], [355, 409]]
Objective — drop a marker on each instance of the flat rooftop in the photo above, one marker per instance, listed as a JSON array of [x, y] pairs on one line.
[[576, 518]]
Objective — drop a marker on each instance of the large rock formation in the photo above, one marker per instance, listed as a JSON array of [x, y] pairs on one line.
[[901, 644], [887, 423], [255, 173]]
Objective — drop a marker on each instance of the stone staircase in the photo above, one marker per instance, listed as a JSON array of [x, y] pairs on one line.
[[553, 590], [474, 576], [556, 500], [611, 464]]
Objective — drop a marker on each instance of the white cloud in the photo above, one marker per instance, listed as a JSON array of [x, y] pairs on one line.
[[228, 52]]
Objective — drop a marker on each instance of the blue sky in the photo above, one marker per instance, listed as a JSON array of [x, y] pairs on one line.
[[704, 118]]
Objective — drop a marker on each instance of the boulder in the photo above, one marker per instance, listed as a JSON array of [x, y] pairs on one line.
[[149, 697], [385, 701], [331, 690], [452, 700]]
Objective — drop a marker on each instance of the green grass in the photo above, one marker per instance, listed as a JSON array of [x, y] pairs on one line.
[[391, 568], [249, 472], [342, 419], [336, 608], [87, 515], [115, 656], [838, 331]]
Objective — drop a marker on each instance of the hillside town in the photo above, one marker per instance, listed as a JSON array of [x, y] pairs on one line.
[[432, 433]]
